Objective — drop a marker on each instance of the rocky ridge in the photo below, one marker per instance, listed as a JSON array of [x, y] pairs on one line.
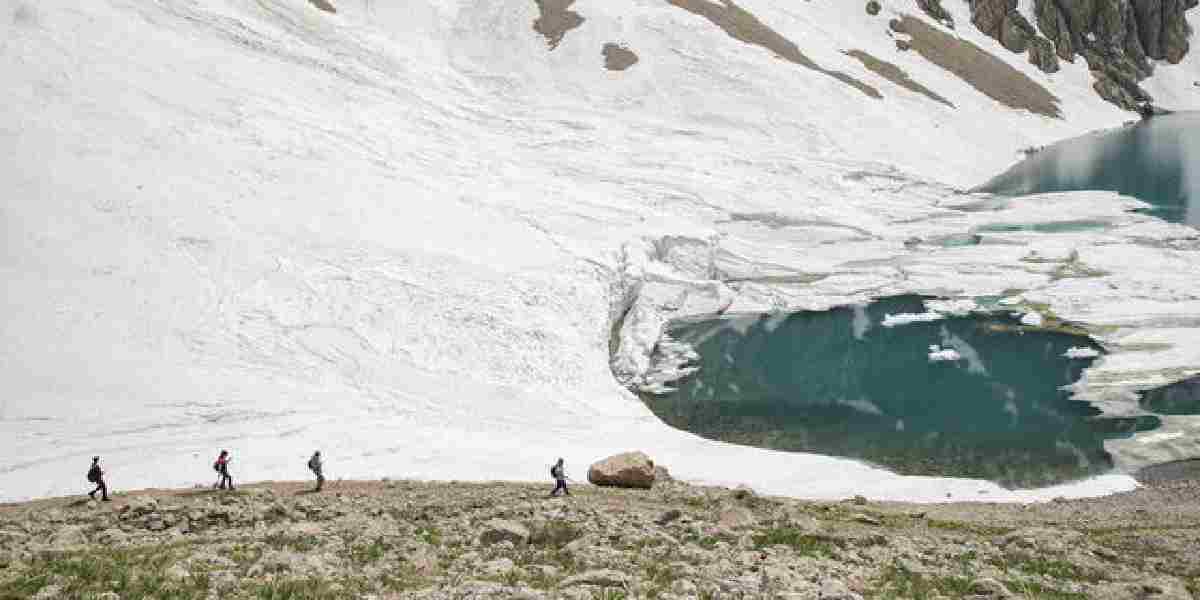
[[1117, 38], [405, 539]]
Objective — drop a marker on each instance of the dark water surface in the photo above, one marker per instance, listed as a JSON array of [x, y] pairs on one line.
[[838, 382], [1157, 160]]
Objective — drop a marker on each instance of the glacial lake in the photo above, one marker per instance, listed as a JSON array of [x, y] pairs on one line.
[[1155, 160], [841, 383]]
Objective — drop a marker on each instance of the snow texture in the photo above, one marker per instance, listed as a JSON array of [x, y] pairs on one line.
[[406, 233]]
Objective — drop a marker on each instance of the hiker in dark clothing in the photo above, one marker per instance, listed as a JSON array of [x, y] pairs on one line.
[[222, 469], [96, 476], [560, 478], [314, 465]]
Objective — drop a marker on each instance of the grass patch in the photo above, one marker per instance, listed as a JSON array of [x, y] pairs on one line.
[[131, 573], [365, 554], [1032, 589], [897, 581], [803, 543], [300, 589], [1053, 568], [972, 528]]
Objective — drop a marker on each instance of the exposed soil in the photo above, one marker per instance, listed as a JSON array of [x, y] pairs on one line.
[[896, 75], [993, 77], [556, 20], [618, 57], [323, 5], [745, 27]]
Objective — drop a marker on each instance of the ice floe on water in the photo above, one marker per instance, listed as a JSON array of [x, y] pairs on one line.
[[938, 354], [1077, 352], [900, 319]]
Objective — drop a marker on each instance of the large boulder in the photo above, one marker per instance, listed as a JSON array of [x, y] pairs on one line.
[[627, 470]]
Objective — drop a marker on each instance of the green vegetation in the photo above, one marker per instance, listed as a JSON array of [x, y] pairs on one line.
[[897, 581], [803, 543], [1054, 568], [131, 573]]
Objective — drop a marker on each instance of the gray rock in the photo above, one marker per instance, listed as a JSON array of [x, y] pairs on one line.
[[986, 587], [668, 517], [873, 7], [832, 589], [50, 592], [68, 537], [736, 517], [600, 578], [867, 519], [112, 537], [627, 470], [499, 530], [177, 572]]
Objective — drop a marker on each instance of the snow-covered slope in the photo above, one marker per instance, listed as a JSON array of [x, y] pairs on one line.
[[402, 234]]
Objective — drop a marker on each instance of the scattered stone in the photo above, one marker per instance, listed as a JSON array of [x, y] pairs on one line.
[[177, 572], [498, 530], [868, 519], [873, 7], [68, 537], [668, 516], [50, 592], [627, 470], [736, 517], [987, 587], [112, 537], [859, 500], [833, 589], [601, 578]]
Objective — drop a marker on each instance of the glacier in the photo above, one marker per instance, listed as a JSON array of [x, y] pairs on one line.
[[414, 236]]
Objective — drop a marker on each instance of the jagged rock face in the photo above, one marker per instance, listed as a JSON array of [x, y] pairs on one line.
[[1041, 55], [1116, 37], [1162, 27]]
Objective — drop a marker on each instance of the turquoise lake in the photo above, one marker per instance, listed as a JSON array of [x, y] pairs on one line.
[[1156, 160], [840, 383]]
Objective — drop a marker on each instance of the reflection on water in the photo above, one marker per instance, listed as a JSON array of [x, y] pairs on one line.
[[1157, 161], [983, 401]]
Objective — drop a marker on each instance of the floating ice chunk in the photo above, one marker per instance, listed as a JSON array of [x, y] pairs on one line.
[[895, 320], [1077, 352], [1032, 319], [937, 354]]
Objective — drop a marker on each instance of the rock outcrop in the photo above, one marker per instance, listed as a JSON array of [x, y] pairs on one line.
[[1118, 38], [628, 470]]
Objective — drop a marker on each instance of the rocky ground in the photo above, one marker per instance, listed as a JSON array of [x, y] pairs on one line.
[[405, 539]]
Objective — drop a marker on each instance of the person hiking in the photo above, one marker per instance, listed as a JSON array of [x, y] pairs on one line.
[[96, 476], [314, 465], [559, 473], [222, 469]]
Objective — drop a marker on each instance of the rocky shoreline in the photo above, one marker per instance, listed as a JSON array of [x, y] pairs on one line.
[[409, 539]]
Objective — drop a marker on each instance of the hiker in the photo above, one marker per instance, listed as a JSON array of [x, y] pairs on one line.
[[314, 465], [222, 469], [96, 476], [560, 478]]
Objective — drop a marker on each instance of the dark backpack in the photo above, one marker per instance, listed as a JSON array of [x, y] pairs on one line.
[[312, 464], [94, 474], [554, 472], [217, 466]]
